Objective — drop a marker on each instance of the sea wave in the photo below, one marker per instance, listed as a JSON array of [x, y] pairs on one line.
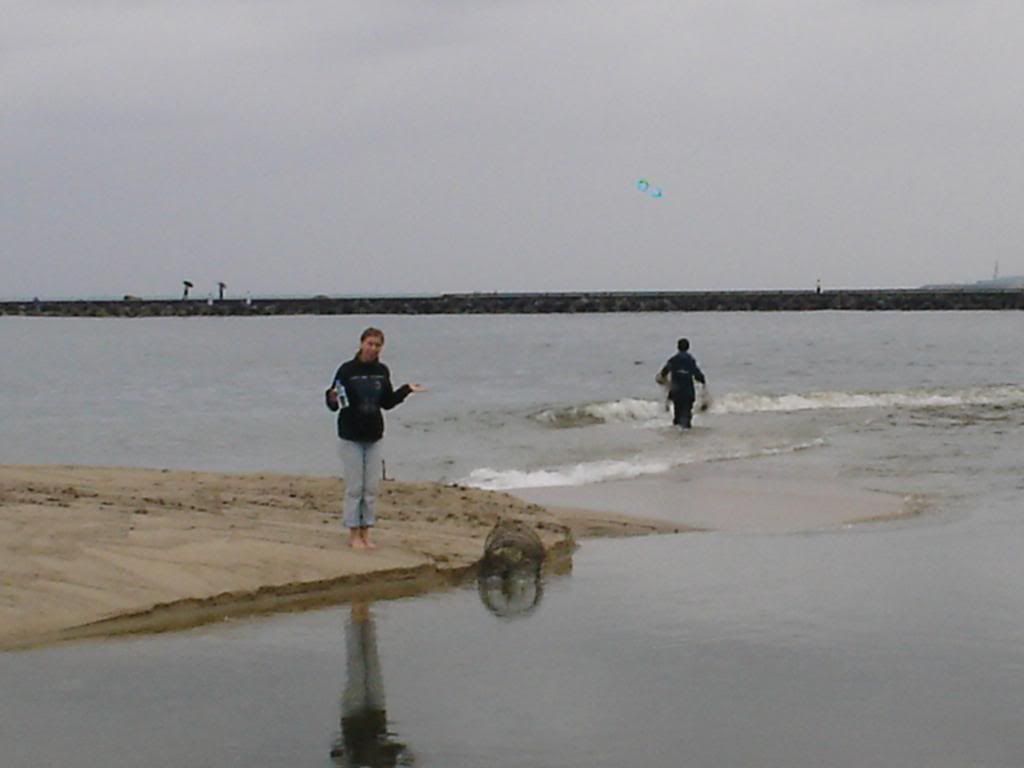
[[625, 410], [635, 410], [997, 395], [585, 473]]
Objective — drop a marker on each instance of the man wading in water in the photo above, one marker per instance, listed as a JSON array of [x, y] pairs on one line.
[[679, 373]]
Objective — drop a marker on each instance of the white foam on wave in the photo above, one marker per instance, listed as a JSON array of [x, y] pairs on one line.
[[586, 473], [646, 412], [739, 402], [574, 474]]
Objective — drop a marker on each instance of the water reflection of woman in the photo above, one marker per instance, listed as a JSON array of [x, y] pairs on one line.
[[364, 738]]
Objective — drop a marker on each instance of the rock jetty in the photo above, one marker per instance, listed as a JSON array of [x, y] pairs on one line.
[[535, 303]]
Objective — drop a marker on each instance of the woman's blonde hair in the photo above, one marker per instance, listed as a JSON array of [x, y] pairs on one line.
[[371, 331]]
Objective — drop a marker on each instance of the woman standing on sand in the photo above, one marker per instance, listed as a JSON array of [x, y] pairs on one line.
[[361, 388]]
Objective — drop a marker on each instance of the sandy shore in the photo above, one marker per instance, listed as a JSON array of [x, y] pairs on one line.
[[88, 552], [762, 497]]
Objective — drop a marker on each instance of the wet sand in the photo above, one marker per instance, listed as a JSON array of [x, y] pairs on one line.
[[93, 552], [755, 497]]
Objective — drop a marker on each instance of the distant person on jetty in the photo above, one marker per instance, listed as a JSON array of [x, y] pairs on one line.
[[678, 374], [361, 388]]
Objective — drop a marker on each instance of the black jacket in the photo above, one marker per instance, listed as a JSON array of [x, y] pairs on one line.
[[683, 370], [367, 390]]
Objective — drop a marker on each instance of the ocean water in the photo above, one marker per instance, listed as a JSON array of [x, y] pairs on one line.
[[519, 401], [891, 644]]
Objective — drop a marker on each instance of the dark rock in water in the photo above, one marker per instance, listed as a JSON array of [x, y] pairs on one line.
[[509, 581], [512, 545]]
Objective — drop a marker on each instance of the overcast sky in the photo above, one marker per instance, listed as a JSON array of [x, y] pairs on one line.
[[349, 147]]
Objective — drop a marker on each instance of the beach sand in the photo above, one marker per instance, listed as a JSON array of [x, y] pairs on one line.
[[93, 552]]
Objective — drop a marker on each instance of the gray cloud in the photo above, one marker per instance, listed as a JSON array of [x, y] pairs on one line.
[[379, 147]]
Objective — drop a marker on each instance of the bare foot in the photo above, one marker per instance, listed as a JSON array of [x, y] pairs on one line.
[[364, 534]]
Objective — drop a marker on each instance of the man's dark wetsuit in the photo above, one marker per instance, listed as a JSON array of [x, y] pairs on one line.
[[682, 369]]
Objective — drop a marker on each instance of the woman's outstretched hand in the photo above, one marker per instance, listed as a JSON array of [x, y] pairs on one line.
[[417, 388]]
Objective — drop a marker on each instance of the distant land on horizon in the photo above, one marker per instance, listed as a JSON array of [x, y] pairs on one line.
[[1010, 282], [1006, 293]]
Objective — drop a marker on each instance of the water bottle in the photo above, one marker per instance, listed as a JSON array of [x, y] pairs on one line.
[[342, 394]]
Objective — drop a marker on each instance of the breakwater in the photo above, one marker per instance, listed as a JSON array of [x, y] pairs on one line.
[[534, 303]]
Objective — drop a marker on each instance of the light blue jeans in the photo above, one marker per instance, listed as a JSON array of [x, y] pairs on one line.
[[362, 463]]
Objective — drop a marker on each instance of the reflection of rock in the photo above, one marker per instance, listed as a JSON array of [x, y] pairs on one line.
[[510, 581], [515, 592]]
